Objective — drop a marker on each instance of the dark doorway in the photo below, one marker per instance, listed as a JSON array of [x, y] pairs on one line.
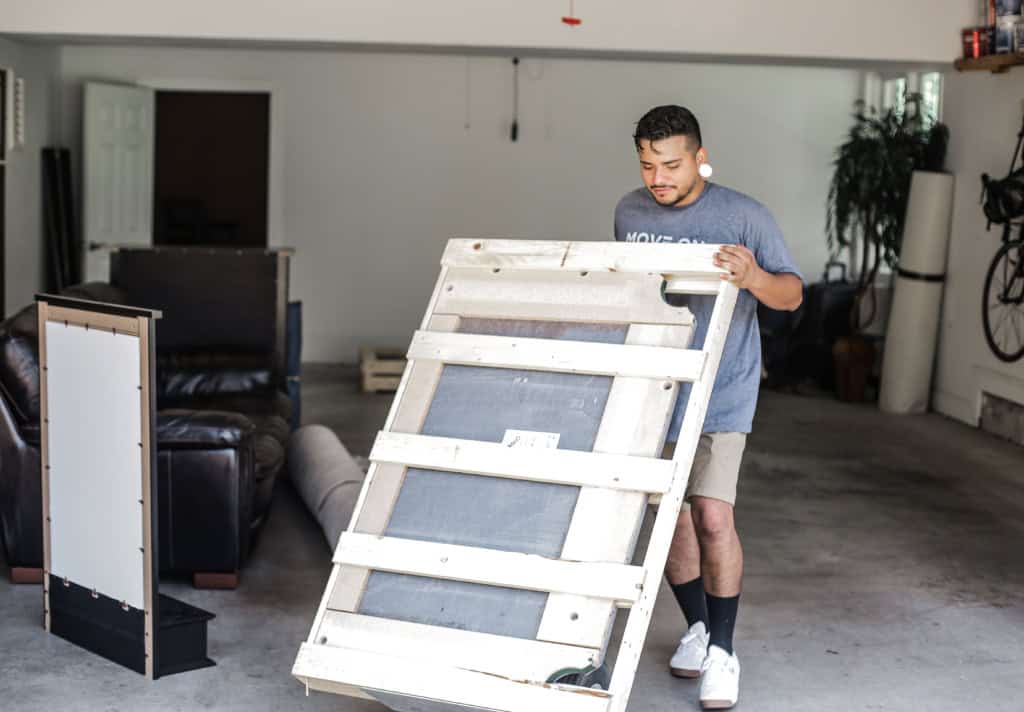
[[210, 168]]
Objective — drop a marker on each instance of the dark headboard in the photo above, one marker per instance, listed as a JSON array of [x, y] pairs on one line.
[[214, 300]]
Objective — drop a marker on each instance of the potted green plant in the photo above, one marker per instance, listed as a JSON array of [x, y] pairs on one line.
[[865, 212]]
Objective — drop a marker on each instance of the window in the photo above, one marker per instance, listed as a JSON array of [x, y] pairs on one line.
[[890, 92], [894, 92], [931, 97]]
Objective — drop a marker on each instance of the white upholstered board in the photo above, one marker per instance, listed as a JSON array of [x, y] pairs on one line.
[[95, 458]]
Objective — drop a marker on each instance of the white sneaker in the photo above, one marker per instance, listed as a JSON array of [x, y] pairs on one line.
[[689, 656], [720, 681]]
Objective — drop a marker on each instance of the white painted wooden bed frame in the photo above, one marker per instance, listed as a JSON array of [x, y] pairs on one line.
[[583, 282]]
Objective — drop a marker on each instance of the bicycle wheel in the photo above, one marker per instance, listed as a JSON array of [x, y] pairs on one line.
[[1003, 308]]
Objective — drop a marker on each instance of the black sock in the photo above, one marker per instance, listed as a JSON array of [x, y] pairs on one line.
[[690, 596], [722, 614]]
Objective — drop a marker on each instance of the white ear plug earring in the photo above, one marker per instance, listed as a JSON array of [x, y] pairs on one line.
[[705, 170]]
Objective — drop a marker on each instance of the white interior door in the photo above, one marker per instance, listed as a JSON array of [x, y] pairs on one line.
[[118, 171]]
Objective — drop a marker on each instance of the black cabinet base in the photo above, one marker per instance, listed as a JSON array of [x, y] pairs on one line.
[[117, 632], [181, 639]]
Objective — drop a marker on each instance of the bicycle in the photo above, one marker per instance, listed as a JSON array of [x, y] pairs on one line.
[[1002, 307]]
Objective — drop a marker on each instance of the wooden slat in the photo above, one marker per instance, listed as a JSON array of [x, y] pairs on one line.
[[94, 320], [491, 567], [695, 261], [336, 688], [522, 254], [563, 356], [142, 329], [639, 620], [667, 258], [688, 285], [605, 524], [42, 316], [618, 472], [494, 654], [425, 679], [588, 297]]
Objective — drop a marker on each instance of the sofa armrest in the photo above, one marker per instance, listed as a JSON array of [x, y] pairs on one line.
[[205, 462], [203, 429]]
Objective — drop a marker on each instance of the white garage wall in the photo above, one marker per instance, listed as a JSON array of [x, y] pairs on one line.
[[907, 30], [37, 65], [983, 112], [380, 168]]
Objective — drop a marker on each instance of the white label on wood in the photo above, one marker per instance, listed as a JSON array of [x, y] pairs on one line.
[[530, 438]]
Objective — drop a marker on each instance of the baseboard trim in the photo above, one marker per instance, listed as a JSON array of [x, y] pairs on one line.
[[956, 407]]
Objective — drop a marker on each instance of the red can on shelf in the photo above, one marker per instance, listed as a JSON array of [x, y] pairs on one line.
[[977, 42]]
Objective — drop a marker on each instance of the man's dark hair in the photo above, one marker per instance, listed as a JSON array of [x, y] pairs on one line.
[[664, 121]]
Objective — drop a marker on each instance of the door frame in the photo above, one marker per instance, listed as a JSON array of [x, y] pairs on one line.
[[275, 169]]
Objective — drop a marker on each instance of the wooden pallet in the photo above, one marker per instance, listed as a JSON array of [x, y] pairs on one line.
[[593, 282], [381, 369]]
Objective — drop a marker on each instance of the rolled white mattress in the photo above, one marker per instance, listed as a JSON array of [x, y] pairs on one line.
[[913, 327]]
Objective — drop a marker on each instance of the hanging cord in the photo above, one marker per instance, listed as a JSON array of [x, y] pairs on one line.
[[468, 119], [571, 18], [514, 134]]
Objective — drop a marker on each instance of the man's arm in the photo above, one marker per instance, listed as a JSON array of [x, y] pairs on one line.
[[776, 291]]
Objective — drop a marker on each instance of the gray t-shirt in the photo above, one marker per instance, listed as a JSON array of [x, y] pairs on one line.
[[719, 216]]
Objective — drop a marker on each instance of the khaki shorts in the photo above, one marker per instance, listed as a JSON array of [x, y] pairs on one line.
[[716, 465]]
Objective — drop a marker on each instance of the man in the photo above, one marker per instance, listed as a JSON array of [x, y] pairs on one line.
[[677, 204]]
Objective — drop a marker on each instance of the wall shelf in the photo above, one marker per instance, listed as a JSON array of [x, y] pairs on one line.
[[995, 63]]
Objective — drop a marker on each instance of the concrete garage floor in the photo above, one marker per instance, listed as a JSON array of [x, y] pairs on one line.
[[884, 572]]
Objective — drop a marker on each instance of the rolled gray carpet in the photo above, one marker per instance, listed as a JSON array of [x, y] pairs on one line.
[[327, 477]]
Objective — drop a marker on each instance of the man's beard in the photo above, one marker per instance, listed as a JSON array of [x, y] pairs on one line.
[[680, 193]]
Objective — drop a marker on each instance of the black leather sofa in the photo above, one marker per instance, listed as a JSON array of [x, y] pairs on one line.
[[222, 413]]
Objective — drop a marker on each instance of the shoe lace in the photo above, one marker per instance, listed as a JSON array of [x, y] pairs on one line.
[[718, 660], [690, 636]]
